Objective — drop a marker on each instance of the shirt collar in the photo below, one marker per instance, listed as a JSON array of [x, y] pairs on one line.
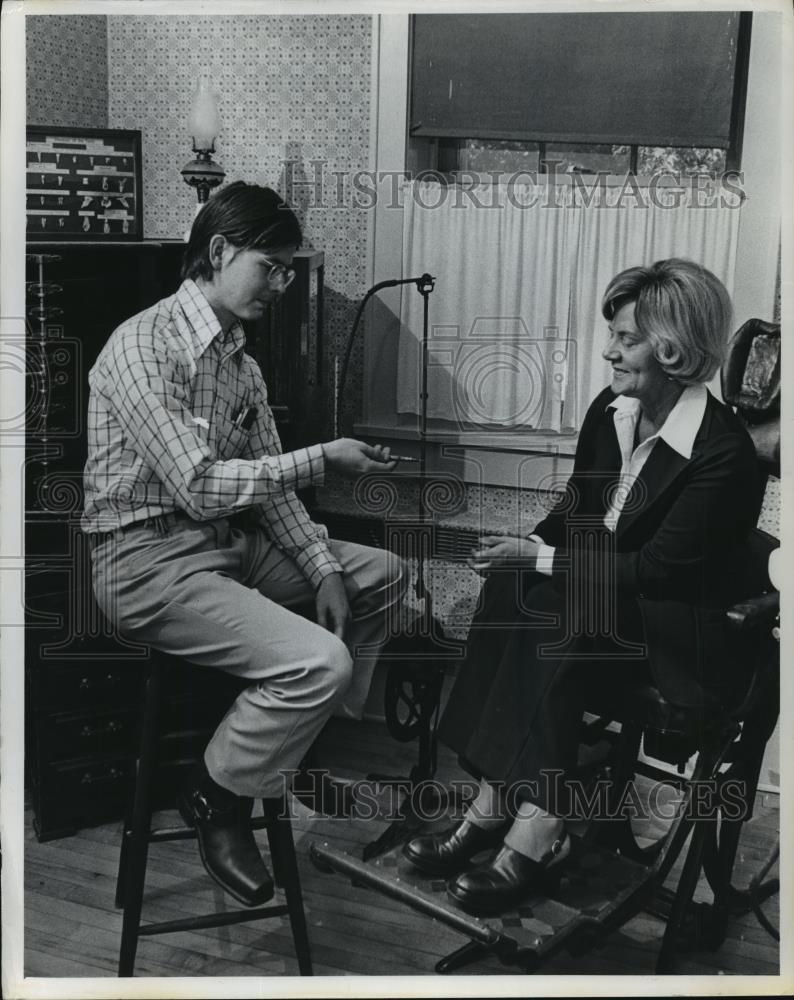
[[624, 406], [683, 422], [204, 325]]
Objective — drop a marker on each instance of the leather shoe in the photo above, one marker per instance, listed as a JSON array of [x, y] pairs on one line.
[[226, 841], [508, 879], [448, 852]]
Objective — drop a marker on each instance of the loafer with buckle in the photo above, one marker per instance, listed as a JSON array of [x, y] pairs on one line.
[[507, 880], [226, 844], [448, 852]]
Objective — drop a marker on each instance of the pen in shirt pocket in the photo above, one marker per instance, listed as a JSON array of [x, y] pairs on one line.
[[244, 418]]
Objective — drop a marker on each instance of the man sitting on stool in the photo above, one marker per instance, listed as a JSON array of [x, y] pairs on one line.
[[201, 547]]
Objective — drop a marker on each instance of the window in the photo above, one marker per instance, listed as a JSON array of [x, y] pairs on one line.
[[504, 157], [516, 96], [578, 93]]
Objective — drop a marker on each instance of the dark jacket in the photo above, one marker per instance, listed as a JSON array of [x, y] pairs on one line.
[[677, 552]]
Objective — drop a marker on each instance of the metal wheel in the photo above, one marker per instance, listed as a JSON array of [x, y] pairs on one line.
[[409, 699]]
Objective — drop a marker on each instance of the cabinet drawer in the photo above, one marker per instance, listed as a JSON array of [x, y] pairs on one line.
[[185, 729], [86, 686], [90, 779], [79, 734], [71, 795]]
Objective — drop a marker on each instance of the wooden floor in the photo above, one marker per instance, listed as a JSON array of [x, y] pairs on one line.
[[72, 928]]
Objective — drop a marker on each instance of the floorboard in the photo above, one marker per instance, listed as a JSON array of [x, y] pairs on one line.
[[72, 927]]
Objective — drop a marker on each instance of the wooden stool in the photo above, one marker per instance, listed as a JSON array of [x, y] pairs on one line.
[[138, 834]]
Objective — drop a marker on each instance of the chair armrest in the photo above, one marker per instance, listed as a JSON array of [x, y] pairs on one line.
[[755, 612]]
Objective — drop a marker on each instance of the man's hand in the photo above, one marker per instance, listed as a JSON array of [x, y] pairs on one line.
[[504, 550], [355, 458], [333, 609]]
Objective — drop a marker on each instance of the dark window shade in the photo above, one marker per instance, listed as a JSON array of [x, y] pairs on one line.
[[662, 79]]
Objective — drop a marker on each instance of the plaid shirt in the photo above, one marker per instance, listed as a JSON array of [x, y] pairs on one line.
[[164, 432]]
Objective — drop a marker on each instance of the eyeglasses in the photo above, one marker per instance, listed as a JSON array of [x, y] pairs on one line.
[[278, 273]]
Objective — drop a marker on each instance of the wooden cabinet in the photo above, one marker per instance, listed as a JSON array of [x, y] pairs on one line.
[[84, 682]]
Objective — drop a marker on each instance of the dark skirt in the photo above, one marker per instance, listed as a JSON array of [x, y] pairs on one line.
[[515, 710]]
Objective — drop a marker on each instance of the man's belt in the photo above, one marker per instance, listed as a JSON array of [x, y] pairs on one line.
[[161, 523]]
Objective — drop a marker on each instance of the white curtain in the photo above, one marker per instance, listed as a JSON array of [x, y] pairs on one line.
[[516, 332]]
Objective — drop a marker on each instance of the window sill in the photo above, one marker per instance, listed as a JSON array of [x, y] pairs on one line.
[[526, 442], [518, 461]]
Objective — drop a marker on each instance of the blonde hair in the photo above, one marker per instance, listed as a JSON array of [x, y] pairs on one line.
[[683, 309]]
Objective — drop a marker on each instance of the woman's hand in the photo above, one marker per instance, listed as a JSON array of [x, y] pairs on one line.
[[504, 550]]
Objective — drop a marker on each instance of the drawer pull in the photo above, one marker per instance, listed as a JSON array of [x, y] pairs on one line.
[[113, 774], [111, 727], [86, 683]]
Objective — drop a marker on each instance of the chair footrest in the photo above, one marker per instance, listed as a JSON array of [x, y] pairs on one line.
[[164, 833], [213, 920], [596, 889]]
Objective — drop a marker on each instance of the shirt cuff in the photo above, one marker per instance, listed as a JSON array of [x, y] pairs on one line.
[[545, 558], [316, 563]]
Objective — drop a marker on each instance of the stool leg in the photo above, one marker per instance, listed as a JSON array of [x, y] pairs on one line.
[[135, 851], [285, 868], [121, 878]]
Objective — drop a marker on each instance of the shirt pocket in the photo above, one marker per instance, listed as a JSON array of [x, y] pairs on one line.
[[235, 442], [232, 436]]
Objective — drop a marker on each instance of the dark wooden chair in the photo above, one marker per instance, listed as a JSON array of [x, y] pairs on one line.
[[728, 742]]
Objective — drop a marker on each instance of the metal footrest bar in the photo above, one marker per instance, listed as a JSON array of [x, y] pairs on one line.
[[345, 864]]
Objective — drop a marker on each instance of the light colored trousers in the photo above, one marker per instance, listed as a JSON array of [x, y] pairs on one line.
[[226, 597]]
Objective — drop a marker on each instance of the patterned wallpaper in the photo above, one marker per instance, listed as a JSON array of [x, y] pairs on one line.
[[67, 70], [290, 87]]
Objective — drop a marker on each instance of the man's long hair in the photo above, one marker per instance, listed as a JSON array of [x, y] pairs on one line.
[[248, 216]]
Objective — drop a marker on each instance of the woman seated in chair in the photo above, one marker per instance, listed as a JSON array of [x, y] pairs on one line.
[[625, 581]]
